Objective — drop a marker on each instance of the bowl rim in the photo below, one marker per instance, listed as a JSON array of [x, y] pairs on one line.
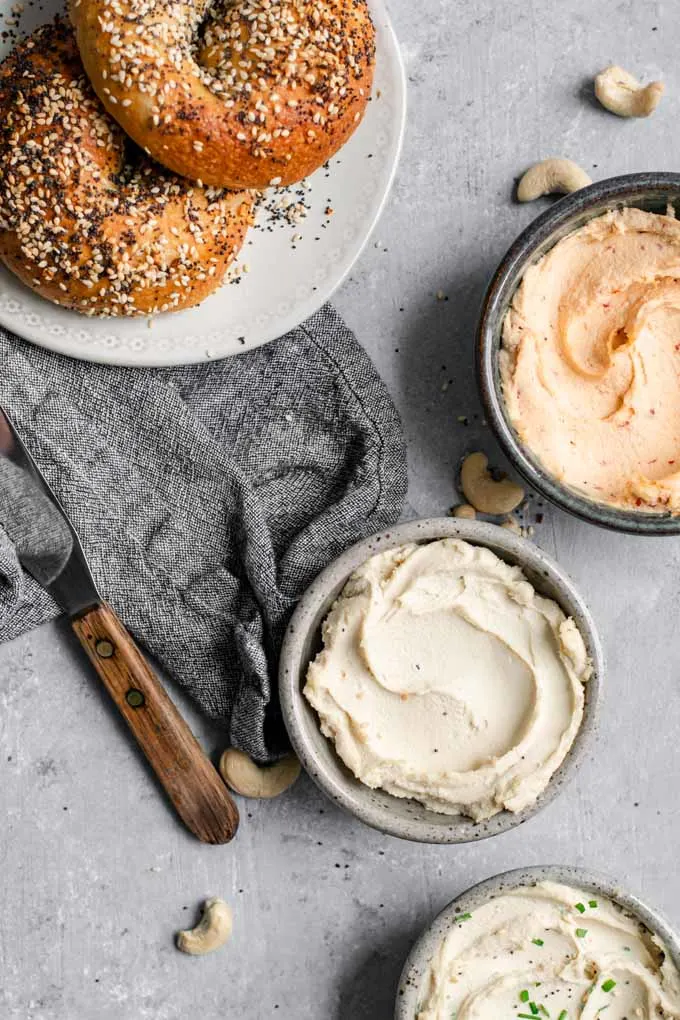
[[336, 781], [418, 959], [591, 201]]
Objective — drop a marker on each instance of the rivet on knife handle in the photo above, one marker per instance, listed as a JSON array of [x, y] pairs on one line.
[[187, 775]]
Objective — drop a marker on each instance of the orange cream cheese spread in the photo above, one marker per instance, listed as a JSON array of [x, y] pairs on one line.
[[447, 678], [590, 360]]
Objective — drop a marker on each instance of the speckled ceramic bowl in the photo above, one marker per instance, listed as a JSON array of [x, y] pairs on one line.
[[409, 995], [650, 191], [394, 815]]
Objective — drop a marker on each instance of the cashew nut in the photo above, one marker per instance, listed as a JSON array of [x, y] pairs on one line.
[[211, 932], [550, 176], [250, 780], [485, 494], [621, 93], [465, 511]]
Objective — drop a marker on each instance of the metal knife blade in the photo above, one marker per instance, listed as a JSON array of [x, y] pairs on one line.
[[46, 542]]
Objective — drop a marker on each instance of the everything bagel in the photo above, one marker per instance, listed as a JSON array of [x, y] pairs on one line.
[[85, 221], [243, 94]]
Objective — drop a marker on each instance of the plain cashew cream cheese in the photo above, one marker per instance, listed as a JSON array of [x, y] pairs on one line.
[[445, 677], [590, 362], [550, 951]]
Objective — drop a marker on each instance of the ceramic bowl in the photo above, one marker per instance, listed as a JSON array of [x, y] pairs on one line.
[[650, 191], [409, 819], [410, 989]]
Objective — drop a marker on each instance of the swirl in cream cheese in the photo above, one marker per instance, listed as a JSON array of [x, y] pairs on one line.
[[447, 678], [550, 951], [591, 360]]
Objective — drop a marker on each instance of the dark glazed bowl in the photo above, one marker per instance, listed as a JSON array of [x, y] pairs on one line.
[[399, 816], [410, 991], [650, 191]]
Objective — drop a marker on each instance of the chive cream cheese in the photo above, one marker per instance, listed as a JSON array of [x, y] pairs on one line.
[[550, 951]]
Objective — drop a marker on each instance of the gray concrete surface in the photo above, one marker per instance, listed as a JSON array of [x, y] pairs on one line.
[[96, 875]]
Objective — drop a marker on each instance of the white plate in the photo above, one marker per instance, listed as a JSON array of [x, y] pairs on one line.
[[284, 284]]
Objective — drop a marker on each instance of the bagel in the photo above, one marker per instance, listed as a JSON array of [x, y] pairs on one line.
[[245, 94], [88, 221]]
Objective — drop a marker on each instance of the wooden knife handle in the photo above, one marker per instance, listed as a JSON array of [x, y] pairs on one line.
[[193, 784]]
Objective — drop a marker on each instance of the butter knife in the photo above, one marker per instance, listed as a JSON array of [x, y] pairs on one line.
[[49, 550]]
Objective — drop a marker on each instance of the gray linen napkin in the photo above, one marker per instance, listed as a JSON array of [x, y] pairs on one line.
[[208, 497]]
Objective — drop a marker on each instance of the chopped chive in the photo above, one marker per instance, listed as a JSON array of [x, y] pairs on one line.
[[524, 996], [543, 1010], [608, 985], [581, 909], [592, 903], [581, 933], [538, 942], [563, 1015], [526, 1016], [534, 1008], [463, 917]]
